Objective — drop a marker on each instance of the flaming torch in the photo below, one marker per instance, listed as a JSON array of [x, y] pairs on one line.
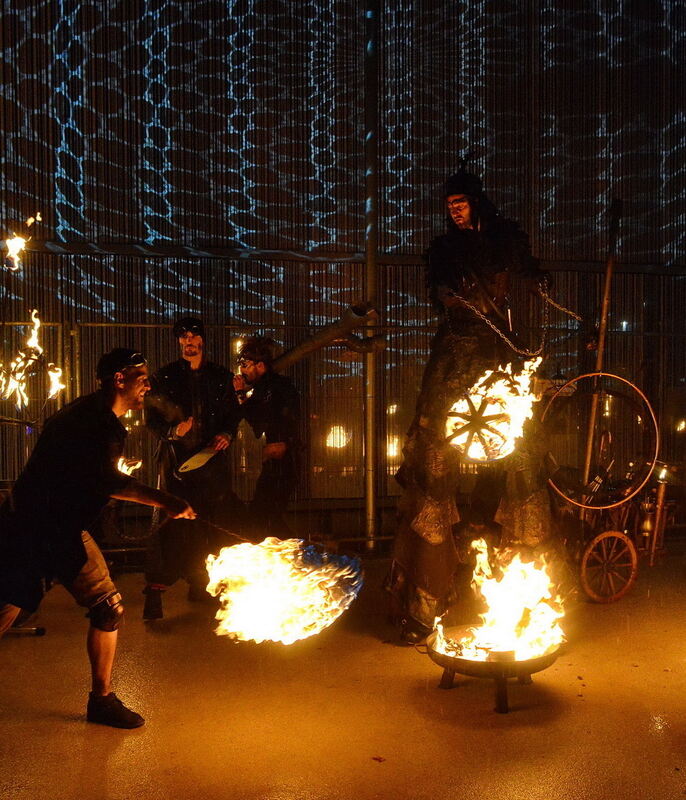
[[519, 633], [280, 590], [485, 424]]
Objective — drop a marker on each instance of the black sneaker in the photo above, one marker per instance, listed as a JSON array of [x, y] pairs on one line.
[[109, 710], [153, 603]]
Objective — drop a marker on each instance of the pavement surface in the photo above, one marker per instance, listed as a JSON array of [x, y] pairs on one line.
[[348, 714]]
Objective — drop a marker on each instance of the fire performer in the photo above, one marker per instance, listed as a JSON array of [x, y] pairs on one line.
[[271, 404], [468, 272], [68, 479], [193, 409]]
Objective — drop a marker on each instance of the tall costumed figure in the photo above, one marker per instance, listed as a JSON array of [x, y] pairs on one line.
[[469, 271]]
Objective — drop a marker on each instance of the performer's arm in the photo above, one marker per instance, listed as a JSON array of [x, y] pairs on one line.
[[137, 492]]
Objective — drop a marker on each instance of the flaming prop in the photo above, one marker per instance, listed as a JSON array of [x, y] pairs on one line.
[[522, 616], [55, 377], [129, 465], [280, 590], [16, 244], [486, 423], [13, 381]]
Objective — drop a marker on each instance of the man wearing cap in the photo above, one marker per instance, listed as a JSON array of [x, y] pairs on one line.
[[469, 269], [193, 409], [271, 405], [69, 478]]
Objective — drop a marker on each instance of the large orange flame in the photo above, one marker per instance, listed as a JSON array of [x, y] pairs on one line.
[[280, 590], [523, 611], [486, 423]]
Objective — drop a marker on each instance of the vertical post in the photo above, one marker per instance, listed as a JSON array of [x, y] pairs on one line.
[[615, 213], [371, 127]]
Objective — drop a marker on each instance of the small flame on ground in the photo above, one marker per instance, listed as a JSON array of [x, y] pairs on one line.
[[486, 424], [129, 465], [280, 590], [523, 612]]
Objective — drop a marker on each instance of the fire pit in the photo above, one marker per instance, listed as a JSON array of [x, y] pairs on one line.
[[500, 665], [519, 632]]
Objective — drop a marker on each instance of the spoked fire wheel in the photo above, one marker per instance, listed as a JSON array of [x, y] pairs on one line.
[[609, 566]]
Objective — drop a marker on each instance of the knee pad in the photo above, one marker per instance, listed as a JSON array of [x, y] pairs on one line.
[[107, 614]]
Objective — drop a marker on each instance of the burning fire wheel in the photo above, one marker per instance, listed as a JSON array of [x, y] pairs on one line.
[[500, 668], [609, 566]]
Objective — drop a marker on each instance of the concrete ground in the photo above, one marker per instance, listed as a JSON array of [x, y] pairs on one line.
[[348, 714]]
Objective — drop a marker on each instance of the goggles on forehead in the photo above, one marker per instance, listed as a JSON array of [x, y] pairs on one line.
[[194, 329], [135, 360]]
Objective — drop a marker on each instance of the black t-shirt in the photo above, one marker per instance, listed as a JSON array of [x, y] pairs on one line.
[[66, 482]]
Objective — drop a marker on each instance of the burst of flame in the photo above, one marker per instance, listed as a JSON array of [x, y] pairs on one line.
[[14, 247], [486, 424], [14, 381], [129, 465], [280, 590], [523, 612], [55, 377], [17, 243]]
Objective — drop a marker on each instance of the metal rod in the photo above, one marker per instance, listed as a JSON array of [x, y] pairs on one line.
[[371, 116], [658, 527], [615, 213]]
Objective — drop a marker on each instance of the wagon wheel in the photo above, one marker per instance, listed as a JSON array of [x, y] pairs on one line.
[[609, 566]]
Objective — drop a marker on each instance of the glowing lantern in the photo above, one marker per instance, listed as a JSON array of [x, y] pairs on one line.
[[337, 437]]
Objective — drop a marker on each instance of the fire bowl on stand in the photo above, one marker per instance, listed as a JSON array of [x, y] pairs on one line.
[[500, 667]]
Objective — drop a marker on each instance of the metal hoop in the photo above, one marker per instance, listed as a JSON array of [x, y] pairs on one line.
[[655, 427]]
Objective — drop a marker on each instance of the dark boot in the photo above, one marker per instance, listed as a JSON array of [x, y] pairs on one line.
[[153, 603], [109, 710]]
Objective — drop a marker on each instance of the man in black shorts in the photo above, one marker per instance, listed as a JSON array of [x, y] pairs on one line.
[[71, 475]]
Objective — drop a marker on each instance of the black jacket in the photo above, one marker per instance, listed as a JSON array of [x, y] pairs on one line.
[[174, 394], [273, 409]]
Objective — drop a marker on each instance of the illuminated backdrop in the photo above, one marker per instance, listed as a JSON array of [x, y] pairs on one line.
[[209, 127]]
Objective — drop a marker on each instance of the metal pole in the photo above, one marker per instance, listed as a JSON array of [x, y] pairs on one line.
[[615, 212], [371, 125]]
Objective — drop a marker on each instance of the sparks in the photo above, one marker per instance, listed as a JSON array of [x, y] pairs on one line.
[[280, 591]]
